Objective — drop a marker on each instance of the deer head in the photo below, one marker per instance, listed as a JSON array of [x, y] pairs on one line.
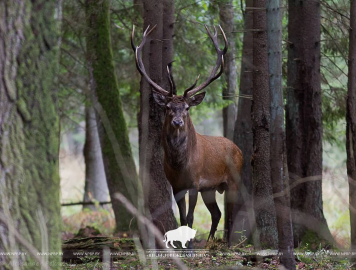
[[177, 107]]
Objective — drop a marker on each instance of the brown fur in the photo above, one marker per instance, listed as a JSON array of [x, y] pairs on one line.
[[203, 157], [197, 162]]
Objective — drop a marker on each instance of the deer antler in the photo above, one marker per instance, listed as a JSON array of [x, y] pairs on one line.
[[171, 80], [139, 63], [219, 62]]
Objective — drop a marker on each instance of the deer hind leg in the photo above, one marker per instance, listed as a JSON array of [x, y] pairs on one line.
[[231, 194], [210, 202], [193, 196], [180, 199]]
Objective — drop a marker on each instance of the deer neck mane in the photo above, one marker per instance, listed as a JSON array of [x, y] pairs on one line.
[[178, 144]]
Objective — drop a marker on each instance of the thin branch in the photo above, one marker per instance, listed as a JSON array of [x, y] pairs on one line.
[[335, 65], [339, 49], [74, 58], [79, 37], [84, 203], [325, 4]]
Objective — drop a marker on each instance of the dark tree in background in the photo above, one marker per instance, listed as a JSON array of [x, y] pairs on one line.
[[29, 131], [279, 171], [157, 53], [262, 186], [351, 124], [116, 150], [243, 136], [96, 187], [303, 119], [226, 14]]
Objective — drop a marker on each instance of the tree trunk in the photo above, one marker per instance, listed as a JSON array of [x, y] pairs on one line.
[[115, 146], [351, 125], [303, 119], [96, 187], [243, 137], [29, 132], [278, 155], [168, 33], [262, 186], [157, 53], [226, 14]]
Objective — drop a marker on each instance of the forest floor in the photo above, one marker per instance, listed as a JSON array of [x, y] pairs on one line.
[[216, 256], [89, 249]]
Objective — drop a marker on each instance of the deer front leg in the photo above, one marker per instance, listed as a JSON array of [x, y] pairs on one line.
[[193, 197], [180, 199], [210, 202]]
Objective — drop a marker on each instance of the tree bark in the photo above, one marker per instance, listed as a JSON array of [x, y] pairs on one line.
[[115, 145], [29, 132], [96, 187], [157, 53], [262, 186], [351, 125], [243, 137], [226, 15], [168, 21], [303, 118], [278, 155]]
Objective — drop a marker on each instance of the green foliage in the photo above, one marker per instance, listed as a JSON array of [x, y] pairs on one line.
[[311, 241], [193, 54], [334, 55], [73, 73]]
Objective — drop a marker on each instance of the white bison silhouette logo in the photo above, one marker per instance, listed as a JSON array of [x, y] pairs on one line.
[[182, 234]]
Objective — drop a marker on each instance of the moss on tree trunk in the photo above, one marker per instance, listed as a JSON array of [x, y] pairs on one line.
[[29, 130], [115, 145]]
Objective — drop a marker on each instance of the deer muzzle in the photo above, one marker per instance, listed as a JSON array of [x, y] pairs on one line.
[[177, 122]]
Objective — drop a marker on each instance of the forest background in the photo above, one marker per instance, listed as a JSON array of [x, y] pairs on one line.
[[192, 54]]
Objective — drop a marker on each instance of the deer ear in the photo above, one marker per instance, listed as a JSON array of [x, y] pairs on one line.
[[160, 99], [197, 99]]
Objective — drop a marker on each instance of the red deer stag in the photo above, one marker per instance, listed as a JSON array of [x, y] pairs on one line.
[[192, 161]]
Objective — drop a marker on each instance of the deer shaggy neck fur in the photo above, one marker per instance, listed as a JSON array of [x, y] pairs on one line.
[[178, 143]]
